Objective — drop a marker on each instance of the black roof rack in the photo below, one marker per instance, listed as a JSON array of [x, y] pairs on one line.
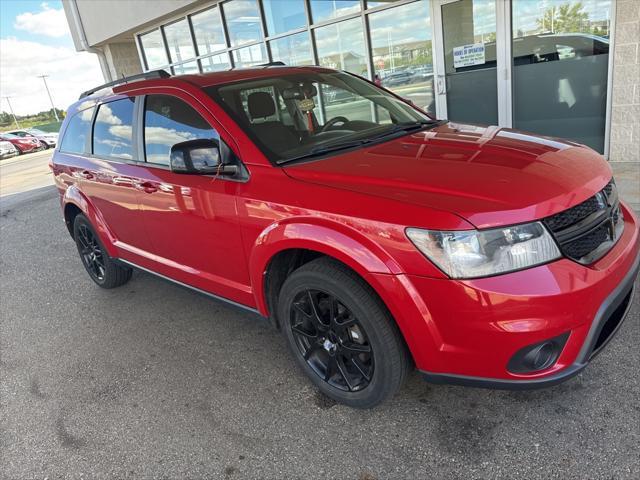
[[141, 76], [277, 63]]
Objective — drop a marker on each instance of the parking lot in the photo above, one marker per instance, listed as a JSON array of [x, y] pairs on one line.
[[154, 381]]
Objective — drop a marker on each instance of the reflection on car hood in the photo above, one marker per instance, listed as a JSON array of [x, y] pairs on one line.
[[487, 175]]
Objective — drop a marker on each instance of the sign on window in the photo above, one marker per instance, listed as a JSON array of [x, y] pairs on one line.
[[468, 55]]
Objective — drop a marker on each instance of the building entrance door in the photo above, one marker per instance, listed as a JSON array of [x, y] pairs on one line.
[[470, 52]]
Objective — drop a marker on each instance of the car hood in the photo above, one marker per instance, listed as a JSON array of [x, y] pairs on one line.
[[490, 176]]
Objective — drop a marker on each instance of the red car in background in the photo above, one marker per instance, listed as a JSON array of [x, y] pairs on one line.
[[375, 237], [23, 144]]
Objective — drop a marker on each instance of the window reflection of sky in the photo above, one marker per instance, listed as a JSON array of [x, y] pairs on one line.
[[169, 121], [112, 132]]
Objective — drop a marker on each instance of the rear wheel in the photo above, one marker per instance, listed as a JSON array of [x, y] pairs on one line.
[[101, 268], [341, 334]]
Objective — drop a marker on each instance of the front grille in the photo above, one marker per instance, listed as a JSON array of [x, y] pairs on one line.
[[587, 231], [573, 215], [587, 243]]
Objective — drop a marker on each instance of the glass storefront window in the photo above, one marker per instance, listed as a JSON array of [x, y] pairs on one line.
[[207, 28], [471, 85], [243, 21], [284, 15], [560, 64], [292, 50], [153, 48], [341, 45], [215, 63], [179, 41], [186, 68], [401, 50], [248, 56], [323, 10], [373, 4]]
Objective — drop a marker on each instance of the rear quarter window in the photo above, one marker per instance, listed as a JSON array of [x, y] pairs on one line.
[[113, 130], [75, 135]]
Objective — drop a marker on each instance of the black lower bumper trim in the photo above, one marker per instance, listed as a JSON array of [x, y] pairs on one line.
[[503, 384], [623, 292]]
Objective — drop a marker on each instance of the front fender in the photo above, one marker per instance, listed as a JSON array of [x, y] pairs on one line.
[[73, 196], [332, 239]]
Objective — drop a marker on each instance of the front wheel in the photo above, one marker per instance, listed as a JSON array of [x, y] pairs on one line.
[[341, 334], [101, 268]]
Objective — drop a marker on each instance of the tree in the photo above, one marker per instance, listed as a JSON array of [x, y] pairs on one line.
[[567, 18]]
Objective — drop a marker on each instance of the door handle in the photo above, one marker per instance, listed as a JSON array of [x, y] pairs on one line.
[[146, 187], [86, 174]]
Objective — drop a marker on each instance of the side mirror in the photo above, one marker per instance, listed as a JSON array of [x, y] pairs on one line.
[[200, 156]]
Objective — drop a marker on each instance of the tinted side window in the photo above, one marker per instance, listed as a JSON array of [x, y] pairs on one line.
[[75, 135], [112, 131], [167, 121]]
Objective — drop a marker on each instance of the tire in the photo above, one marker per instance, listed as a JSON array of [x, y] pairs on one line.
[[44, 145], [102, 269], [351, 348]]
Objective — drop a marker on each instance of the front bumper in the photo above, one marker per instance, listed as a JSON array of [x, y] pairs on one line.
[[605, 325], [465, 332]]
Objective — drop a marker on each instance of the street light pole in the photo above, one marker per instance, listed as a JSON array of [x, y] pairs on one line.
[[44, 79], [11, 110]]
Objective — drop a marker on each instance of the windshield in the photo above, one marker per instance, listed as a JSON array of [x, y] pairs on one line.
[[35, 131], [311, 114], [9, 136]]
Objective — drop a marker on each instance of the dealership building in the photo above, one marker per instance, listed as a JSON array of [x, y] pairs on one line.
[[565, 68]]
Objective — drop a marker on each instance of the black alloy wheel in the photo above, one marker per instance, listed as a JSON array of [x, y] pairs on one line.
[[332, 341], [103, 270], [91, 253], [341, 334]]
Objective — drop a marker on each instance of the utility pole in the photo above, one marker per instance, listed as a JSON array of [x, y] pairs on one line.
[[44, 79], [11, 110]]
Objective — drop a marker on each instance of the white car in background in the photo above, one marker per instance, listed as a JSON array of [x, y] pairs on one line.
[[46, 139], [7, 150]]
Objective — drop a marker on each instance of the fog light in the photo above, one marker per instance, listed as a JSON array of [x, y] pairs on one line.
[[539, 356]]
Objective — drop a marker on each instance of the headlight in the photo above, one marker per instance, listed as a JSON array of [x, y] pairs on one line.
[[480, 253]]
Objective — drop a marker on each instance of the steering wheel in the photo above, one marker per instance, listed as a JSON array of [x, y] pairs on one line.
[[332, 122]]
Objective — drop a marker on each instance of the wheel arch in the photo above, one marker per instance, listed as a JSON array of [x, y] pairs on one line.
[[75, 202], [284, 246]]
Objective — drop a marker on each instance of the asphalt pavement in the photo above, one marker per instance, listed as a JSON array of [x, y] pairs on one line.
[[154, 381]]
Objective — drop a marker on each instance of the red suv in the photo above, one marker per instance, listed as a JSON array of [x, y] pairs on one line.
[[375, 237], [23, 145]]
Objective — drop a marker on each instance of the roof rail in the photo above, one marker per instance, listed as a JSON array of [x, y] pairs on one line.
[[141, 76], [277, 63]]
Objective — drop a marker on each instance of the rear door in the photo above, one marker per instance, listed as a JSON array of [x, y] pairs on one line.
[[109, 175], [191, 219]]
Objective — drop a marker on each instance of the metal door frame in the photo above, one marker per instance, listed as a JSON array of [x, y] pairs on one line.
[[503, 60]]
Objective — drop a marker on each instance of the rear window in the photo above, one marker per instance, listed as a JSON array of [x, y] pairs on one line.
[[112, 132], [77, 131]]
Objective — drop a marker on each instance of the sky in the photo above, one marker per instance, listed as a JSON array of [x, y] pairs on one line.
[[35, 40]]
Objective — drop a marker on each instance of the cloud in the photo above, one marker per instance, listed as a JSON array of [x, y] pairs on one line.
[[105, 115], [70, 73], [49, 22]]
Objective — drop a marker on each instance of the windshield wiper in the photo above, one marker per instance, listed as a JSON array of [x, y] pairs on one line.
[[399, 128], [321, 150]]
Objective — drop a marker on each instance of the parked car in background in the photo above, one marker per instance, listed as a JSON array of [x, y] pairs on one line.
[[396, 79], [7, 149], [46, 139], [23, 144], [374, 236]]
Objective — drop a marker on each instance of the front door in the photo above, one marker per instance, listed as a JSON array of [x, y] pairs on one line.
[[466, 85], [191, 219]]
